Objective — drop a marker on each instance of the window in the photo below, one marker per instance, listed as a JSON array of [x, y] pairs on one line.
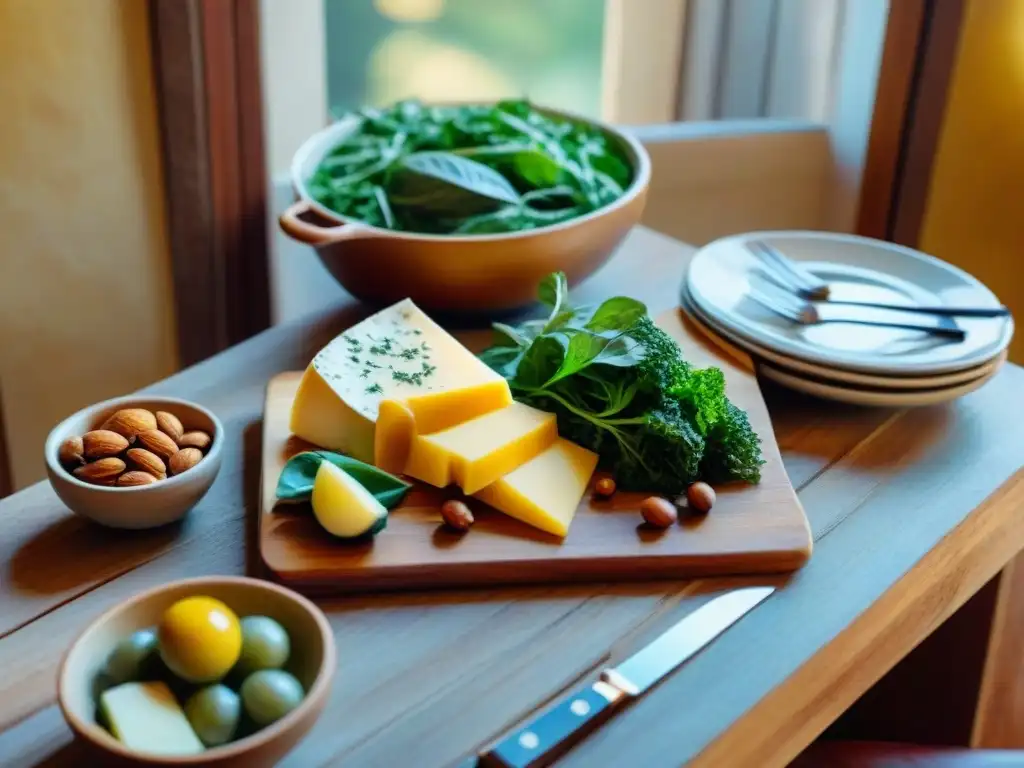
[[379, 51]]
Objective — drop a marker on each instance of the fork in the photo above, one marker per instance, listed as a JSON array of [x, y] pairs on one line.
[[806, 313], [797, 278], [793, 277]]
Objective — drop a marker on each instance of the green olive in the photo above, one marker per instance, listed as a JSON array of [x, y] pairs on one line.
[[270, 694], [265, 645], [214, 712], [126, 662]]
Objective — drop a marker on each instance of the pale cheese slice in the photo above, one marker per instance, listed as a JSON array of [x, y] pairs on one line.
[[477, 452], [545, 491], [398, 354]]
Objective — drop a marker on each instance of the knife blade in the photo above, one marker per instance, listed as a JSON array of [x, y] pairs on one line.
[[553, 731]]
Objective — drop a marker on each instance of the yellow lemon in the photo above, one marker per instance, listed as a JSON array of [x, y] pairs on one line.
[[200, 639]]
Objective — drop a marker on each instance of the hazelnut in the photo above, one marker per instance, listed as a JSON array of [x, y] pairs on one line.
[[700, 497], [658, 512], [456, 515], [605, 486]]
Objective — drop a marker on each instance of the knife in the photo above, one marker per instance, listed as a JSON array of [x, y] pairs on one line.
[[552, 732]]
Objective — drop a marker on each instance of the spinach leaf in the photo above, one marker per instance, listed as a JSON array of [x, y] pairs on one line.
[[401, 168], [620, 387], [296, 482], [617, 314], [444, 183]]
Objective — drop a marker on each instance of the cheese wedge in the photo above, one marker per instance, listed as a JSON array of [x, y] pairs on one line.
[[477, 452], [545, 491], [398, 354], [145, 717]]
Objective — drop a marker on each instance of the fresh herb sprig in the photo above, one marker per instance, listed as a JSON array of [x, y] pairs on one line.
[[620, 387], [469, 169]]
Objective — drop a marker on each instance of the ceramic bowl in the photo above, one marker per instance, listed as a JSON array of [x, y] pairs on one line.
[[143, 506], [470, 273], [312, 661]]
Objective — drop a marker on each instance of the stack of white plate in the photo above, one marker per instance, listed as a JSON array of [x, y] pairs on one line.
[[866, 365]]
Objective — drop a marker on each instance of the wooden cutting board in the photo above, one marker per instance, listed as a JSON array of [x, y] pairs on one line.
[[752, 529]]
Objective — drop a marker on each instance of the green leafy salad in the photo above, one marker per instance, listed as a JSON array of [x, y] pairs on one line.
[[468, 170], [620, 387]]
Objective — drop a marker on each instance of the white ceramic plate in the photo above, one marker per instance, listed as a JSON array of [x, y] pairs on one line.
[[879, 397], [833, 375], [856, 268]]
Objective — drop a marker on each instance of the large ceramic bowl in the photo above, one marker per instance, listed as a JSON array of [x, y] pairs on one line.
[[462, 273], [313, 660]]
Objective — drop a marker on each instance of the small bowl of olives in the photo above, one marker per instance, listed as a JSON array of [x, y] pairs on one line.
[[219, 670]]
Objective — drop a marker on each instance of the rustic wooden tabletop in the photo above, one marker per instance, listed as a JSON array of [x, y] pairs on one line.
[[912, 512]]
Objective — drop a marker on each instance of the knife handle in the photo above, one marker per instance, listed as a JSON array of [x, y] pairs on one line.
[[549, 734]]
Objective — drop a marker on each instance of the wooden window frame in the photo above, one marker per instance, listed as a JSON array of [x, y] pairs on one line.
[[206, 60], [919, 55]]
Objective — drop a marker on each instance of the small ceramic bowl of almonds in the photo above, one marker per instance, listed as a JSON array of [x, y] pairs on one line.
[[135, 462]]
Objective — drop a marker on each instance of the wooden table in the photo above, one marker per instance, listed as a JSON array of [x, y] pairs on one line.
[[912, 512]]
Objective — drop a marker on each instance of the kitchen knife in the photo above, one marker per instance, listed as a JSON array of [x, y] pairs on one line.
[[550, 733]]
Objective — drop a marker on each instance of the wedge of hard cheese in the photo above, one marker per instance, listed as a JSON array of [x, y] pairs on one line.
[[545, 491], [398, 354]]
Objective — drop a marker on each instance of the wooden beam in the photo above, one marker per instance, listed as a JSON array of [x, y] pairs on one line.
[[206, 67], [918, 56], [892, 98], [944, 23]]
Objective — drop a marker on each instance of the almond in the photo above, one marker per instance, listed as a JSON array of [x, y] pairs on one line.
[[195, 439], [156, 441], [101, 472], [146, 461], [184, 460], [170, 425], [101, 443], [131, 479], [71, 452], [128, 422]]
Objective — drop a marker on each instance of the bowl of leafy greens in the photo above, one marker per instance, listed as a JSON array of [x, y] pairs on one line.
[[464, 207]]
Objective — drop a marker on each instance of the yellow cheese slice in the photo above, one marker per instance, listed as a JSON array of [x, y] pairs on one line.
[[398, 354], [477, 452], [545, 491]]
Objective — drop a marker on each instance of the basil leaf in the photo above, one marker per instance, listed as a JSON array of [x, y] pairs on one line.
[[502, 360], [622, 352], [540, 362], [296, 482], [552, 291], [537, 168], [507, 336], [617, 314], [444, 183]]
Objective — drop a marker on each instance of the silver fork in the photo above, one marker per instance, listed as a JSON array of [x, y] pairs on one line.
[[806, 313], [794, 278]]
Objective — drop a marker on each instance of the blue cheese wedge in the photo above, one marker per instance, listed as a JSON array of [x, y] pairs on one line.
[[146, 717], [400, 355]]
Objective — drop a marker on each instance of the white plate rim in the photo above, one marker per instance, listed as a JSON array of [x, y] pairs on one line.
[[848, 360], [795, 365], [870, 398]]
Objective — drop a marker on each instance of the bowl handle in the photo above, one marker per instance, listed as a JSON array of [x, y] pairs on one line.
[[313, 234]]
